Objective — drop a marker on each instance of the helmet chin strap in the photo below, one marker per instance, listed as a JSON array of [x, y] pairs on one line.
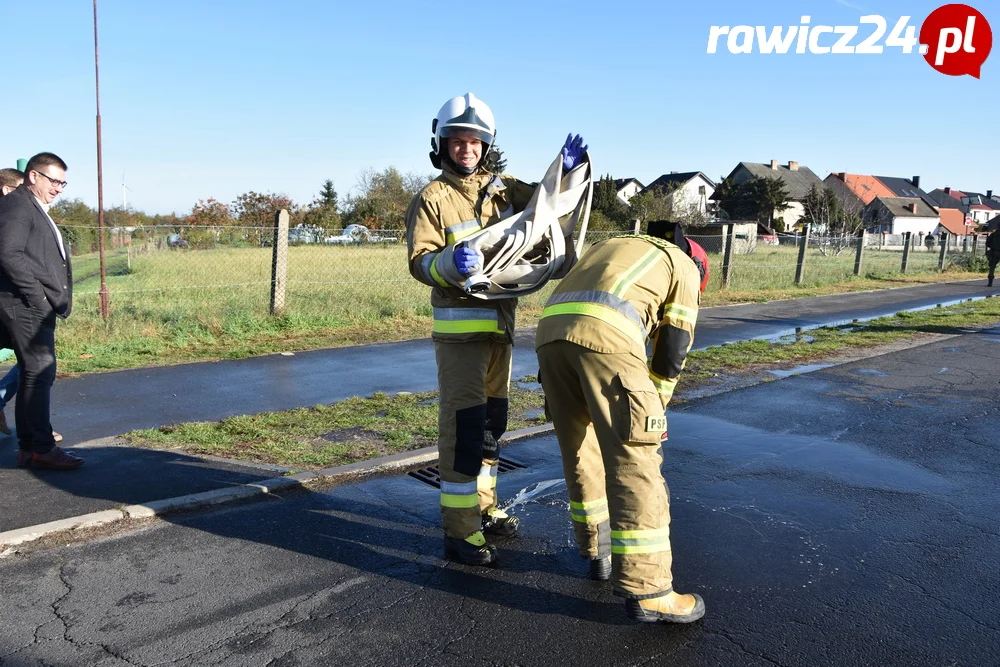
[[465, 171]]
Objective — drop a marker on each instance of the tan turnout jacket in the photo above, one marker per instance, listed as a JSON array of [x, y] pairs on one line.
[[448, 209], [624, 292]]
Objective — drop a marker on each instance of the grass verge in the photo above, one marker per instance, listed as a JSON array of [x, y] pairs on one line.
[[358, 429], [141, 335]]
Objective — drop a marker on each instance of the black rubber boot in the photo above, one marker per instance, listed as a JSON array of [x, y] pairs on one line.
[[473, 550], [660, 610], [600, 568], [497, 522]]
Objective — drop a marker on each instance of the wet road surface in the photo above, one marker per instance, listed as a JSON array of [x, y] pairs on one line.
[[104, 404], [109, 404], [842, 517]]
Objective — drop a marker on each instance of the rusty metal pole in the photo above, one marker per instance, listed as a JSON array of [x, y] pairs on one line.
[[105, 304]]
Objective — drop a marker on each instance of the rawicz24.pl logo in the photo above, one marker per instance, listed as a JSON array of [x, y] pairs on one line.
[[954, 39]]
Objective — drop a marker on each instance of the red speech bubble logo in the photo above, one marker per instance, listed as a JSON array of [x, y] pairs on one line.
[[956, 40]]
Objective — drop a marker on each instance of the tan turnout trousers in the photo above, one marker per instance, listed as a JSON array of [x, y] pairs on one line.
[[607, 400], [600, 404], [474, 378]]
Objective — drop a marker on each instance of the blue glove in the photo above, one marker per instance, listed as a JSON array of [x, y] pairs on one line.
[[466, 260], [572, 151]]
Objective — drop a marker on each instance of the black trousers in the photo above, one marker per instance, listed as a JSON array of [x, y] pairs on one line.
[[993, 260], [33, 337]]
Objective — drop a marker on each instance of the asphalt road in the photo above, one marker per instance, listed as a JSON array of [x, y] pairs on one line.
[[104, 404], [108, 404], [841, 517]]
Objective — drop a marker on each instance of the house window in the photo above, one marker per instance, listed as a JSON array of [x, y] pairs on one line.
[[701, 189]]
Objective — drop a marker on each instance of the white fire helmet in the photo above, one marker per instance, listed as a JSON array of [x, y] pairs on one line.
[[466, 112]]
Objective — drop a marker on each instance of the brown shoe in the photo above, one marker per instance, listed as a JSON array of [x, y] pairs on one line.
[[3, 424], [56, 459], [24, 458], [56, 437]]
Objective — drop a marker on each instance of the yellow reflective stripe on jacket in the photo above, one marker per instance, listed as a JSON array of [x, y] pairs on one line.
[[593, 511], [602, 313], [638, 270], [604, 306], [459, 495], [462, 230], [433, 272], [466, 320], [640, 541], [675, 311]]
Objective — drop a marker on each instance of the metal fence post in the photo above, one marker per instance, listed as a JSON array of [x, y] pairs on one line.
[[861, 251], [279, 262], [801, 266], [944, 252], [727, 254], [975, 243], [907, 236]]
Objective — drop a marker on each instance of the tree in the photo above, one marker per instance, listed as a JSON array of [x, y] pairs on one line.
[[77, 223], [614, 212], [209, 213], [757, 198], [826, 213], [821, 209], [328, 197], [383, 198], [322, 212], [254, 212], [651, 204], [727, 197]]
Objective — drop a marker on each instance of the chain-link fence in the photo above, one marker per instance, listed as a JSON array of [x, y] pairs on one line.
[[217, 275]]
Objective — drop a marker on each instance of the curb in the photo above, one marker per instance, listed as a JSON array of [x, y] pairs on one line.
[[242, 492]]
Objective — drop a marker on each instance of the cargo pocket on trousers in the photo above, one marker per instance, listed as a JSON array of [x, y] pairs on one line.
[[641, 418]]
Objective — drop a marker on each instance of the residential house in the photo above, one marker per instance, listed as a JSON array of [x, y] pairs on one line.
[[798, 181], [952, 211], [690, 191], [892, 191], [899, 215], [982, 208], [863, 188], [626, 188]]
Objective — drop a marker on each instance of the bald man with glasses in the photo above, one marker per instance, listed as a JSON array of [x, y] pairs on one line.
[[36, 287]]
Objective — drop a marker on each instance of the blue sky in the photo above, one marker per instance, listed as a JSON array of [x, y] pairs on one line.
[[214, 98]]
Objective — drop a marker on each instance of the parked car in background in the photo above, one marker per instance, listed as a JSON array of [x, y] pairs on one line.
[[175, 241], [358, 234], [305, 234]]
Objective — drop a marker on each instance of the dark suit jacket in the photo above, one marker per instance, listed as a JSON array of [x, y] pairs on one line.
[[32, 271]]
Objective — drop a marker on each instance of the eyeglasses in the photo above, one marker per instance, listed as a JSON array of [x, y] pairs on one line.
[[54, 181]]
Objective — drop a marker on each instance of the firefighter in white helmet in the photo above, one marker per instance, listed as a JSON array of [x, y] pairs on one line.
[[472, 338], [607, 401]]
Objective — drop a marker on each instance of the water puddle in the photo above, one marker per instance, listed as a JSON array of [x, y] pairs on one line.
[[750, 451], [872, 371], [798, 370], [794, 338], [782, 337]]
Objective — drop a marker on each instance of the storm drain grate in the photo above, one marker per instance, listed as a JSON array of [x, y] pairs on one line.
[[431, 475]]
